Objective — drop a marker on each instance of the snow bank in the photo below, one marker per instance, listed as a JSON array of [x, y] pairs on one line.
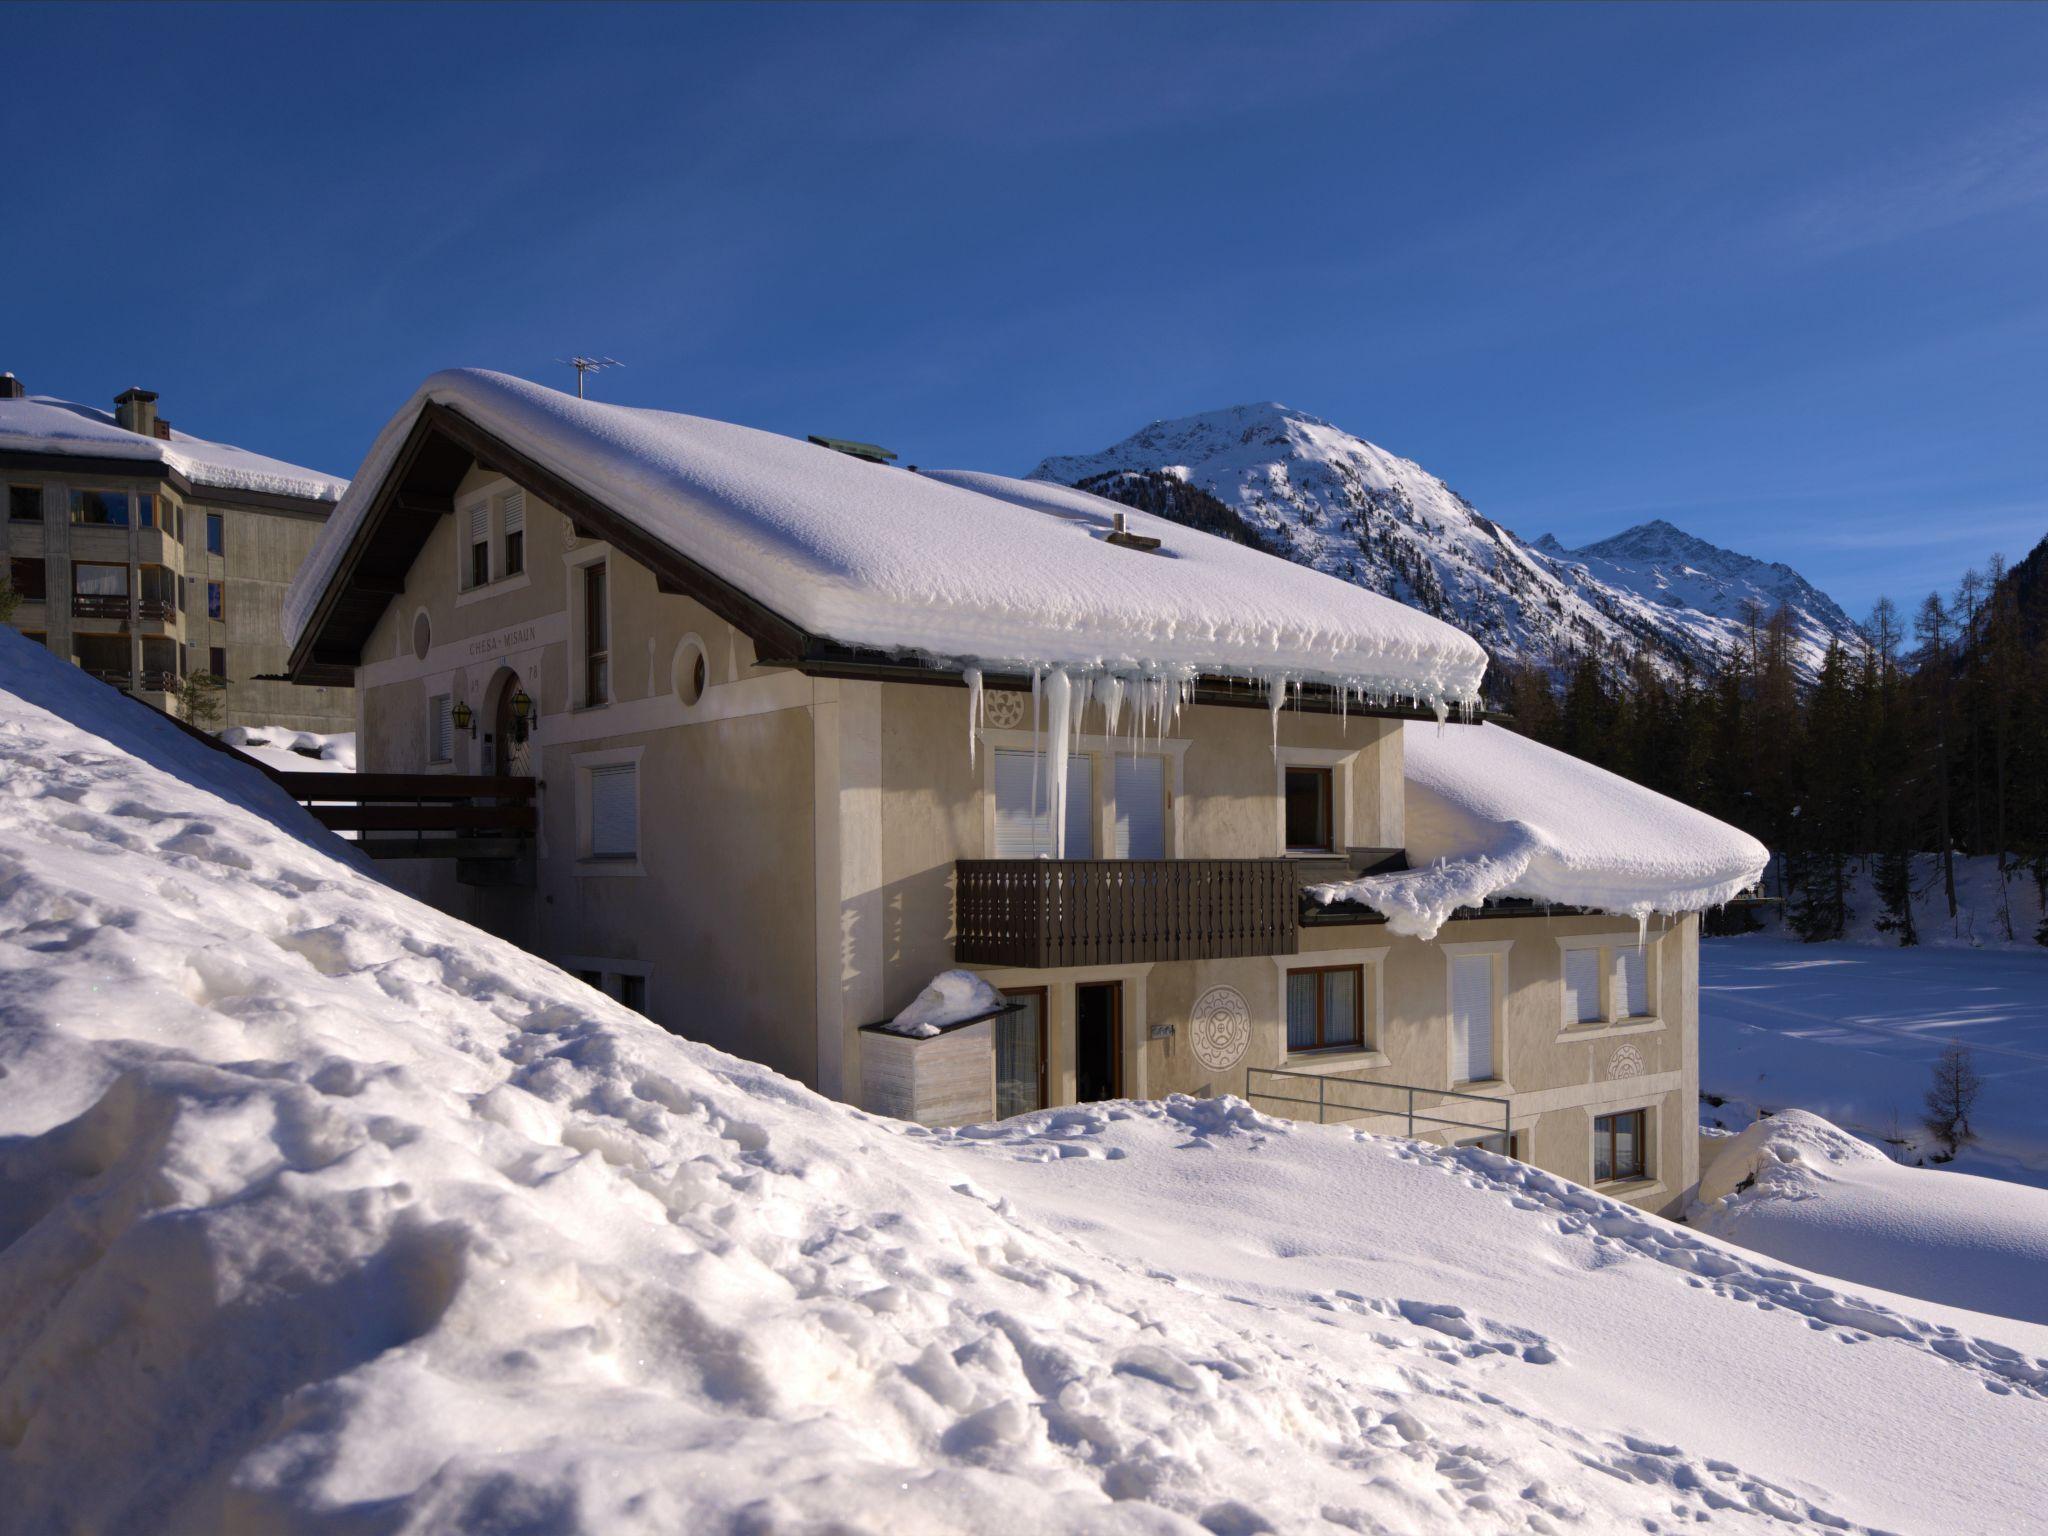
[[44, 424], [967, 568], [295, 751], [1797, 1188], [320, 1211], [950, 998], [1491, 813]]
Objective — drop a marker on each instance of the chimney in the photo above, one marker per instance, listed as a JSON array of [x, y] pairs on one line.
[[10, 387], [135, 409]]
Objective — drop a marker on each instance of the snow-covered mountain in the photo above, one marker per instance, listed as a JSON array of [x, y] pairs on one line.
[[1314, 493]]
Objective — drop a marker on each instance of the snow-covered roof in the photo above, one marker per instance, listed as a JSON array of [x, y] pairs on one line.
[[977, 569], [45, 424], [1491, 813]]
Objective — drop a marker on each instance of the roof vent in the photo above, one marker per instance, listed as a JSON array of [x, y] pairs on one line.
[[1120, 534], [10, 387], [847, 446], [135, 409]]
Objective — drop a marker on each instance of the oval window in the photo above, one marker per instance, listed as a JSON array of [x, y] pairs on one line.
[[690, 673], [422, 634]]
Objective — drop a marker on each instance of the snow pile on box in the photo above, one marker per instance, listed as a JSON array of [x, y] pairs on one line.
[[44, 424], [951, 997], [1801, 1190], [320, 1211], [1491, 813], [969, 569]]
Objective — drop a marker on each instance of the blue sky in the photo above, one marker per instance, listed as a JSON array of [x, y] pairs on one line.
[[1777, 274]]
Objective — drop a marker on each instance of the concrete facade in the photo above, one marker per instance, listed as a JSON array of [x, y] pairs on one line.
[[791, 874]]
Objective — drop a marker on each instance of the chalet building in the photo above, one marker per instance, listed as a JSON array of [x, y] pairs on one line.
[[801, 731], [146, 555]]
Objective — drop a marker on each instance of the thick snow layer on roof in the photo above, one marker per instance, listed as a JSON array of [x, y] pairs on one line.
[[44, 424], [321, 1210], [1491, 813], [967, 567]]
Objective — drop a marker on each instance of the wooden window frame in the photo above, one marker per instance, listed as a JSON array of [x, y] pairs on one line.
[[1614, 1173], [77, 505], [217, 601], [596, 656], [217, 653], [217, 534], [41, 581], [1327, 781], [1044, 996], [1323, 1041]]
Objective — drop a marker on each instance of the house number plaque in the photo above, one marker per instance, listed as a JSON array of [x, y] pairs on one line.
[[1219, 1028]]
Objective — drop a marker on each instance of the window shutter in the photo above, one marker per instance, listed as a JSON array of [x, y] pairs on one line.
[[1472, 1017], [614, 811], [480, 523], [515, 512], [1023, 820], [441, 728], [1632, 981], [1140, 829], [1582, 985]]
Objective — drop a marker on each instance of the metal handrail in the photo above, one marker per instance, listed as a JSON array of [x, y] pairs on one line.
[[1323, 1106]]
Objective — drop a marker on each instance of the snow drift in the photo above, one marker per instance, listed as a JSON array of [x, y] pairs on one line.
[[1491, 813], [45, 424], [973, 569], [320, 1211]]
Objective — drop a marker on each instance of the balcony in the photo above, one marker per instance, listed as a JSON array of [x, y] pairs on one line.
[[111, 677], [156, 608], [1041, 913], [157, 680], [99, 605]]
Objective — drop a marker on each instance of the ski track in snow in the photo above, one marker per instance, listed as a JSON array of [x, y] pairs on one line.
[[320, 1211]]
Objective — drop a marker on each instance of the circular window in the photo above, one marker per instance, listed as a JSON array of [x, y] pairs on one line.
[[690, 673], [422, 634]]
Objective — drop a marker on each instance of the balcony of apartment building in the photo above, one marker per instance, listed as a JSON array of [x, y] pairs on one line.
[[110, 658]]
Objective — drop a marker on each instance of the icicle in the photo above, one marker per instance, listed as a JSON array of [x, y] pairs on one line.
[[1059, 696], [1109, 693], [1642, 930], [1276, 697], [972, 677], [1037, 697]]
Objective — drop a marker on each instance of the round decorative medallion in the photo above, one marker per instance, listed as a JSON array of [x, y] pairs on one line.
[[1003, 711], [1626, 1061], [1220, 1027]]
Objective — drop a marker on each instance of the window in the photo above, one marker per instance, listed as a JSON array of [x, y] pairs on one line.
[[1472, 1012], [145, 510], [1607, 981], [99, 591], [1326, 1008], [217, 661], [158, 592], [1619, 1143], [1632, 983], [633, 991], [103, 508], [1310, 825], [216, 600], [1023, 806], [1020, 1054], [441, 728], [28, 578], [615, 811], [1139, 830], [597, 676], [178, 517], [1505, 1143], [216, 534], [479, 567], [25, 503], [1582, 986], [513, 520], [590, 978]]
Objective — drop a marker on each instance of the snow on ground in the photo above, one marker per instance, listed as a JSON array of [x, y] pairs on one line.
[[322, 1211], [1806, 1192], [45, 424], [1850, 1032], [294, 751], [1490, 813], [973, 569]]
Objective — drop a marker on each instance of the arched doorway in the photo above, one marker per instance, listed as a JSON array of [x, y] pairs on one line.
[[510, 739]]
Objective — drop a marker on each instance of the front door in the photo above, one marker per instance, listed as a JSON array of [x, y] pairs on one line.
[[1098, 1040], [508, 734], [1020, 1054]]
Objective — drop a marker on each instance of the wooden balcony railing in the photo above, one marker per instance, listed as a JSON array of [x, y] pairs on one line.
[[157, 680], [1041, 913], [156, 608], [99, 605]]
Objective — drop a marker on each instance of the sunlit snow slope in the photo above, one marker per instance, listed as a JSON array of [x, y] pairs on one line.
[[321, 1211]]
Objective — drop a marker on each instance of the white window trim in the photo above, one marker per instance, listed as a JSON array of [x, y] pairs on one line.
[[1339, 761], [1373, 1054], [1610, 1023], [573, 563], [1498, 948], [580, 764], [1102, 774], [690, 645], [497, 584], [1652, 1181]]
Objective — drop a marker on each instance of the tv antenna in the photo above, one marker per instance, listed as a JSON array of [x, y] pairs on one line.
[[588, 365]]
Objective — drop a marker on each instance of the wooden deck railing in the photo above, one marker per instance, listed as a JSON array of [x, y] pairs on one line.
[[420, 815], [1041, 913]]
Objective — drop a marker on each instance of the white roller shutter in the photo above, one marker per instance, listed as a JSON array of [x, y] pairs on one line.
[[1632, 982], [1140, 829], [1582, 986], [515, 512], [1023, 824], [1472, 1017], [441, 728], [614, 811]]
